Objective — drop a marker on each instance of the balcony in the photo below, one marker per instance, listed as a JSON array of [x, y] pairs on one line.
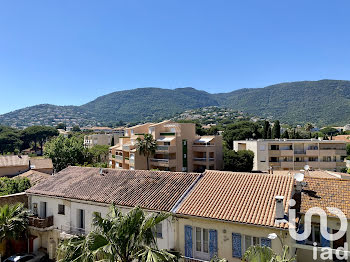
[[41, 223], [119, 159], [163, 162], [166, 149], [332, 152], [69, 232], [203, 148], [299, 152]]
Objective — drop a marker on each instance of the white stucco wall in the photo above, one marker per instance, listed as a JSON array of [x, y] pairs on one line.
[[69, 219]]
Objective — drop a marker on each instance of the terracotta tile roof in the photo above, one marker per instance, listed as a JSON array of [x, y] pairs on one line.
[[7, 161], [342, 138], [156, 190], [238, 197], [329, 193], [34, 176], [41, 163]]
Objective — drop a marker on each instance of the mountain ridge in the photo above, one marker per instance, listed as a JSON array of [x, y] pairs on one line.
[[320, 102]]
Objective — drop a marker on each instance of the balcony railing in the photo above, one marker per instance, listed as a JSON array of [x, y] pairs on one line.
[[159, 160], [299, 152], [41, 222], [73, 230], [162, 148], [200, 159]]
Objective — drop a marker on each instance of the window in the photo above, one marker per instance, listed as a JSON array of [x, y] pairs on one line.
[[43, 210], [159, 230], [327, 159], [263, 159], [250, 241], [61, 209], [275, 147], [132, 131], [35, 209], [202, 240], [81, 219], [262, 147], [167, 143], [315, 235]]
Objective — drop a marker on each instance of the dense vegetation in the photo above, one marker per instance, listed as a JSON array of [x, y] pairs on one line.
[[325, 102], [70, 151], [13, 140], [13, 185]]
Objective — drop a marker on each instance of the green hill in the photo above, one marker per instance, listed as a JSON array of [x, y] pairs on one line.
[[323, 102]]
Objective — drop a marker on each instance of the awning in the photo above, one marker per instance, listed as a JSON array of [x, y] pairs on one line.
[[165, 139], [204, 140]]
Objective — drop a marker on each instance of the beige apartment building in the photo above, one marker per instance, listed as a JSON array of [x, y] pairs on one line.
[[101, 139], [179, 149], [294, 154]]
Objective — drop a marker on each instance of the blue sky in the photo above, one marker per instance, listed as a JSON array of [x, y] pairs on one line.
[[69, 52]]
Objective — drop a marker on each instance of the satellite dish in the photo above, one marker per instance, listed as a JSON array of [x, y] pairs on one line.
[[299, 177], [307, 167]]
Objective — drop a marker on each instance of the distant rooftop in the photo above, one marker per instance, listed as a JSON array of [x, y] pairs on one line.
[[9, 161]]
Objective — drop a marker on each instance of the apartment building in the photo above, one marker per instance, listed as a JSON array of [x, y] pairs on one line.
[[179, 148], [101, 139], [294, 154]]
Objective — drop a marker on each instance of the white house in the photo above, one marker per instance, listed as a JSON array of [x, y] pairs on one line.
[[64, 204]]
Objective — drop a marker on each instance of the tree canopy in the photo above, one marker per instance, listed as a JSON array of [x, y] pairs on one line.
[[240, 161]]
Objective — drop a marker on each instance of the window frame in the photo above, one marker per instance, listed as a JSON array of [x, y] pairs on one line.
[[58, 209], [204, 245], [252, 240]]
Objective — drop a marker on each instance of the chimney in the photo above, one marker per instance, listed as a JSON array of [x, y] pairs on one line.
[[279, 208]]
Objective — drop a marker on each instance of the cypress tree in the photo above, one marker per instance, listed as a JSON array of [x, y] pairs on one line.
[[276, 131]]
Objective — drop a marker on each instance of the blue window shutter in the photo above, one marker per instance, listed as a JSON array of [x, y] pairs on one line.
[[300, 231], [236, 245], [213, 243], [325, 242], [188, 241], [265, 242]]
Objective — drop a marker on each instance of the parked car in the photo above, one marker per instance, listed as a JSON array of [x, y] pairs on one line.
[[32, 257]]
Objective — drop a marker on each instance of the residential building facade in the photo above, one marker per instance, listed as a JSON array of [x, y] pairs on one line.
[[228, 212], [294, 154], [101, 139], [61, 212], [179, 149], [214, 213]]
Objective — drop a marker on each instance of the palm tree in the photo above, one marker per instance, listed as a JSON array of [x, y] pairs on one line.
[[146, 146], [266, 254], [13, 223], [118, 237]]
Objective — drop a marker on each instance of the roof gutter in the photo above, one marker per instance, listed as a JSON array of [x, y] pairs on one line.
[[184, 195]]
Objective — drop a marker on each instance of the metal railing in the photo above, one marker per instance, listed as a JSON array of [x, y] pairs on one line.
[[73, 230], [40, 222], [159, 160], [162, 148], [200, 159]]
